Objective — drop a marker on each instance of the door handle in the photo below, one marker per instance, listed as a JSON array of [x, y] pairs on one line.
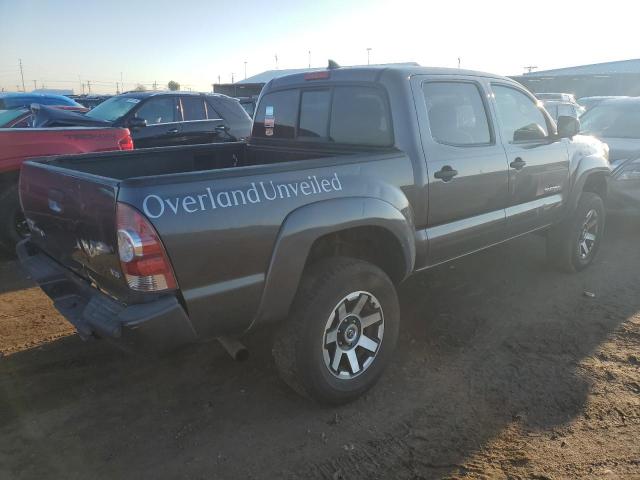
[[173, 131], [446, 173], [518, 164]]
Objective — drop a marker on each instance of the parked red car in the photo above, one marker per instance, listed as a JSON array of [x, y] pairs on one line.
[[18, 144]]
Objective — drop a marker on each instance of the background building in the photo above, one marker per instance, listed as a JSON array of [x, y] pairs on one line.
[[611, 78]]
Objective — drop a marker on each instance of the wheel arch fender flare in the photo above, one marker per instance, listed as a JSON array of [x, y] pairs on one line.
[[587, 167], [305, 225]]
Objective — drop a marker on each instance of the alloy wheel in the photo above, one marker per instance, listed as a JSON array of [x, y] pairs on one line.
[[353, 335]]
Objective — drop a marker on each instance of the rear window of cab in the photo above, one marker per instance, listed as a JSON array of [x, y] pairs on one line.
[[354, 115]]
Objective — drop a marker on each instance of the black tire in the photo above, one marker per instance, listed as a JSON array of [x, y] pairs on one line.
[[564, 242], [11, 219], [299, 347]]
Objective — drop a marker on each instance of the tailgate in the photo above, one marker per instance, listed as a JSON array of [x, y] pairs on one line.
[[72, 218]]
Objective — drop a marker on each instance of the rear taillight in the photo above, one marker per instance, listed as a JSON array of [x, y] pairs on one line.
[[126, 143], [143, 259]]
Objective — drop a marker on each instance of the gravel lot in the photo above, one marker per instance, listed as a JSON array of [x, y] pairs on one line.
[[505, 369]]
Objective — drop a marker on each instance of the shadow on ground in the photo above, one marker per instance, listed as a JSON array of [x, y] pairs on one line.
[[489, 340]]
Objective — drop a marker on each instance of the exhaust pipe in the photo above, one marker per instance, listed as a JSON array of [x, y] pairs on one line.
[[237, 350]]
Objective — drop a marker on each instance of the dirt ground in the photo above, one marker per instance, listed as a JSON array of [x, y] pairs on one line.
[[504, 369]]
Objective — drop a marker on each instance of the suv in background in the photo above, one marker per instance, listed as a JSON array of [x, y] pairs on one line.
[[162, 119], [159, 119], [558, 108]]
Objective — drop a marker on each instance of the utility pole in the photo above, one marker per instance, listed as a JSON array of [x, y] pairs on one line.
[[368, 55], [458, 62], [121, 82], [218, 79], [276, 56], [82, 88], [21, 74], [530, 68], [89, 86], [232, 78], [309, 58], [117, 89], [245, 69], [155, 84], [35, 85]]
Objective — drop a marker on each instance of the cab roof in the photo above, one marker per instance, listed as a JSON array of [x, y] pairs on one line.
[[373, 73]]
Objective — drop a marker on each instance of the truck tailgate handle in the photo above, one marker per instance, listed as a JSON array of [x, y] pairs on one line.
[[446, 173]]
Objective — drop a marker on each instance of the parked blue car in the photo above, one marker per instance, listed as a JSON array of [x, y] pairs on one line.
[[10, 101]]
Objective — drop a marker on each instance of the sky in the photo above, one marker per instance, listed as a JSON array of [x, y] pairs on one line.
[[65, 43]]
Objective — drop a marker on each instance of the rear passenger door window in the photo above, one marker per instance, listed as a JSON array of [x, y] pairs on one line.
[[193, 108], [520, 117], [457, 115], [359, 116], [158, 110]]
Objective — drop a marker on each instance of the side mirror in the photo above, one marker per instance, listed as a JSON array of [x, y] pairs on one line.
[[135, 123], [568, 127], [530, 133]]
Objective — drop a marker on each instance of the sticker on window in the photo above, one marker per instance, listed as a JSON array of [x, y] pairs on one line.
[[133, 100], [269, 111]]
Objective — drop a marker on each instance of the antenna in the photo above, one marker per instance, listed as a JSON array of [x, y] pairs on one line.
[[530, 68]]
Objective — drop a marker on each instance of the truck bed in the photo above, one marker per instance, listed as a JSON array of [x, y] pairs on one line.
[[70, 203], [184, 159]]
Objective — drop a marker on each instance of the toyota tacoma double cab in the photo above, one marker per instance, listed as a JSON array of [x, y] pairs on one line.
[[352, 180]]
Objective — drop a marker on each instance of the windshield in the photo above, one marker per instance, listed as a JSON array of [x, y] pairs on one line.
[[619, 120], [114, 108], [7, 116]]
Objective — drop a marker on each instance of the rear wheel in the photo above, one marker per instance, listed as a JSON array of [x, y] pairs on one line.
[[573, 245], [13, 225], [341, 333]]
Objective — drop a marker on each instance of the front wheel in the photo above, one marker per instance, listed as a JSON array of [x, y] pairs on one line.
[[341, 331], [573, 245]]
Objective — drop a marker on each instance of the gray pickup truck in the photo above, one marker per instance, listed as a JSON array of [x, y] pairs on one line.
[[352, 179]]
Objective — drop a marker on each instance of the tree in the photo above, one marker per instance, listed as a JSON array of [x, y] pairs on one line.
[[140, 88], [173, 85]]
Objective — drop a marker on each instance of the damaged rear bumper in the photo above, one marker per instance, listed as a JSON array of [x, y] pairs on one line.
[[161, 324]]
